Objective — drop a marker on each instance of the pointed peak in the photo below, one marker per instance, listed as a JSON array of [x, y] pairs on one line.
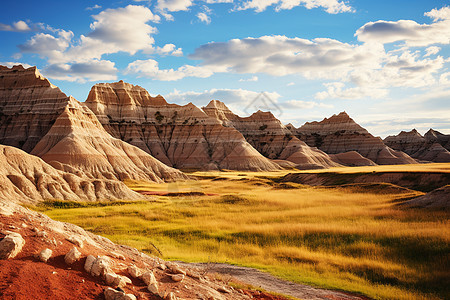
[[262, 115], [290, 126], [216, 104]]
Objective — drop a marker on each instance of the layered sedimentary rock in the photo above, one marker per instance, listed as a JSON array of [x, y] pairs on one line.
[[430, 147], [340, 133], [39, 118], [78, 143], [26, 178], [352, 159], [29, 105], [434, 136], [270, 137], [180, 136]]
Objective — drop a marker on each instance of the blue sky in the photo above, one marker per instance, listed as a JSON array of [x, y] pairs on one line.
[[384, 62]]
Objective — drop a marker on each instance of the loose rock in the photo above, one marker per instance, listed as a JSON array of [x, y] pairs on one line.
[[224, 289], [72, 256], [177, 270], [100, 266], [171, 296], [148, 278], [153, 288], [89, 262], [177, 277], [45, 254], [76, 241], [134, 271], [112, 294], [11, 245]]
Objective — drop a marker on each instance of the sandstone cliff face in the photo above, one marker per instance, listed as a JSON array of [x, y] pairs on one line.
[[339, 134], [29, 105], [26, 178], [271, 138], [38, 117], [434, 146], [78, 143], [180, 136]]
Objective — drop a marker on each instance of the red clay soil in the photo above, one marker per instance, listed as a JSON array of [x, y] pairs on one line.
[[26, 278]]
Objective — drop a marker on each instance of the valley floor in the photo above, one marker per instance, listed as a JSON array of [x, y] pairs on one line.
[[351, 237]]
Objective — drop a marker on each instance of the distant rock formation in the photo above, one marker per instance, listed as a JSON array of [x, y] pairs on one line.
[[183, 137], [26, 178], [340, 134], [434, 146], [270, 137], [29, 105], [437, 199]]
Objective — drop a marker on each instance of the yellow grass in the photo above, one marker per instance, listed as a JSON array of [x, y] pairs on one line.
[[341, 238]]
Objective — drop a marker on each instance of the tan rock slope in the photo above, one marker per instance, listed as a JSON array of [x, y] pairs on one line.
[[39, 118], [180, 136], [340, 133], [78, 143], [434, 146], [29, 105], [270, 137], [436, 199], [26, 178]]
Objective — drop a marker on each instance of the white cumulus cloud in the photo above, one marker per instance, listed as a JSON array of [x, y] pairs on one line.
[[150, 68], [330, 6], [409, 32], [88, 71], [19, 26]]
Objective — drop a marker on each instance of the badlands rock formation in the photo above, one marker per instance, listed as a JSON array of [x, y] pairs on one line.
[[270, 137], [78, 143], [179, 136], [339, 134], [436, 136], [436, 199], [29, 105], [434, 146], [37, 117], [26, 178]]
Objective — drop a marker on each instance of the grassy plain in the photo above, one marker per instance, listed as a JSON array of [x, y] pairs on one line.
[[348, 238]]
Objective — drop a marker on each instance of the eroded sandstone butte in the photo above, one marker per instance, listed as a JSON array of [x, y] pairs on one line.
[[39, 118], [78, 143], [270, 137], [340, 134], [26, 178], [180, 136], [29, 105], [434, 146]]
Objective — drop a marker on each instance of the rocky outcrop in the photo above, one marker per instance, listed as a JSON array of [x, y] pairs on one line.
[[437, 199], [11, 245], [180, 136], [92, 269], [270, 137], [29, 105], [434, 136], [340, 133], [38, 117], [78, 143], [430, 147], [26, 178], [352, 159]]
